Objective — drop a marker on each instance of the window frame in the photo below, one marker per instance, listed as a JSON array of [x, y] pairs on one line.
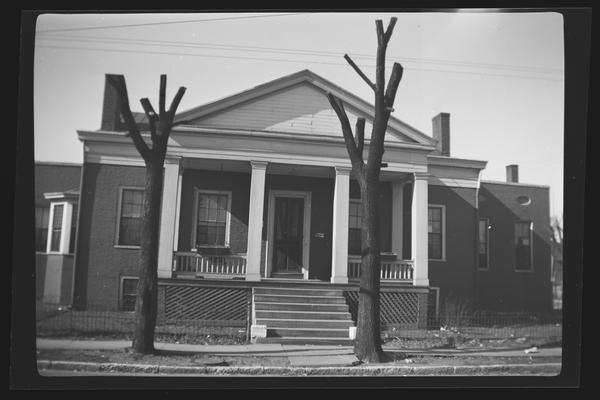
[[359, 202], [530, 270], [197, 193], [51, 227], [118, 222], [442, 207], [121, 287], [487, 244]]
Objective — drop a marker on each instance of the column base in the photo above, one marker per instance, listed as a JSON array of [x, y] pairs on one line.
[[339, 279], [165, 273], [421, 282], [253, 277]]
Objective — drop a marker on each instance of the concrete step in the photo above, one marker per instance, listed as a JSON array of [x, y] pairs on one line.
[[298, 291], [268, 298], [308, 332], [274, 323], [335, 341], [277, 314], [301, 307]]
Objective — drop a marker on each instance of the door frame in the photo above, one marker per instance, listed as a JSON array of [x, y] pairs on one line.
[[273, 194]]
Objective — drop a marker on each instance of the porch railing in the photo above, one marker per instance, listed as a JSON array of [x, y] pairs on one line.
[[198, 264], [398, 270]]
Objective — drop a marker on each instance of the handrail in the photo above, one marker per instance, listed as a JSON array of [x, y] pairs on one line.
[[191, 262], [397, 270]]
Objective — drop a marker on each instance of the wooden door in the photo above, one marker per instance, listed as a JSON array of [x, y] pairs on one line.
[[288, 235]]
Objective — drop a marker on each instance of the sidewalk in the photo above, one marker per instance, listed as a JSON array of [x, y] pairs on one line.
[[308, 360]]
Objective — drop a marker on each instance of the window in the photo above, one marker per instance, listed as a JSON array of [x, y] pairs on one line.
[[354, 227], [73, 229], [130, 221], [42, 214], [56, 227], [212, 218], [436, 232], [523, 246], [483, 244], [128, 293]]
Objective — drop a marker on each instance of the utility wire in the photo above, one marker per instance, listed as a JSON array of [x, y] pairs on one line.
[[95, 39], [282, 60], [163, 23]]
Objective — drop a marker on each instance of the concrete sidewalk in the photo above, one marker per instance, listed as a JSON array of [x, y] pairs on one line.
[[298, 355]]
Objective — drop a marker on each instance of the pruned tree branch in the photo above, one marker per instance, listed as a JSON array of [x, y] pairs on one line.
[[118, 82], [359, 72], [152, 117], [175, 102], [380, 33], [390, 29], [338, 107], [393, 82], [360, 135], [162, 93]]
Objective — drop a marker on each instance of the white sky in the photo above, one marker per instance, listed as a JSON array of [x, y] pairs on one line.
[[499, 75]]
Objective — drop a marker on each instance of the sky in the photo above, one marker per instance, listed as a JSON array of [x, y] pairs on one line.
[[499, 75]]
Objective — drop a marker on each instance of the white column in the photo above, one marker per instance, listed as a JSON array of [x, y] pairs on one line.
[[397, 217], [168, 217], [419, 231], [341, 201], [255, 220]]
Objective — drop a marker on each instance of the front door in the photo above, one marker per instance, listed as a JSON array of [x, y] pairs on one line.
[[288, 235]]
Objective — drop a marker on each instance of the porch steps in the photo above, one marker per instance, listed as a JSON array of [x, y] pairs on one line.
[[302, 315]]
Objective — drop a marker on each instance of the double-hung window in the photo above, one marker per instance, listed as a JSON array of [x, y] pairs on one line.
[[354, 227], [523, 246], [436, 231], [130, 217], [56, 232], [212, 218]]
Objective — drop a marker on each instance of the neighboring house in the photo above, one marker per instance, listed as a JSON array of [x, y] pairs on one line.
[[258, 194]]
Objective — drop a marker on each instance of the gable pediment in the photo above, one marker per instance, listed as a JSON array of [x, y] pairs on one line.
[[296, 104]]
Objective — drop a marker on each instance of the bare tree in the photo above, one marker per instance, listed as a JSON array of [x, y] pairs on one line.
[[367, 345], [154, 156]]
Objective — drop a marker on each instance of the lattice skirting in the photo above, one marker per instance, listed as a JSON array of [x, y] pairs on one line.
[[213, 305], [405, 309]]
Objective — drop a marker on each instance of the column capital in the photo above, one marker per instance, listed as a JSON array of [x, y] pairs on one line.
[[172, 160], [259, 164], [421, 175], [342, 170]]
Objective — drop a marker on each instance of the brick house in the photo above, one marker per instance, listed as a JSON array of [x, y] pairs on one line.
[[260, 208]]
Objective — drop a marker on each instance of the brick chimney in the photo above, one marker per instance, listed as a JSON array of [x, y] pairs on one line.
[[512, 173], [441, 133], [111, 116]]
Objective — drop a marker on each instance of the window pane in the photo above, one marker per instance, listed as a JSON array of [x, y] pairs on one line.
[[130, 225], [56, 228], [128, 294], [523, 246], [42, 215], [212, 219]]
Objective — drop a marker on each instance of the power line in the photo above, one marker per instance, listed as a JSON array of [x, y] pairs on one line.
[[216, 46], [164, 23], [304, 61]]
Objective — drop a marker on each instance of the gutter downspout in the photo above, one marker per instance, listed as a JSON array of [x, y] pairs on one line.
[[476, 242], [77, 230]]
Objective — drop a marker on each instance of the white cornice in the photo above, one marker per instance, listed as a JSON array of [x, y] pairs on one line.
[[444, 161]]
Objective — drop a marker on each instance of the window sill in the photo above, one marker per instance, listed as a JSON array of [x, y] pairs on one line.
[[524, 270], [438, 259], [122, 246]]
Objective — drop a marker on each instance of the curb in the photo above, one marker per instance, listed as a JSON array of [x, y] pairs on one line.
[[548, 369]]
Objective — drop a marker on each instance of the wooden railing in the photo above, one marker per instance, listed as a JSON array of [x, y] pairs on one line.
[[194, 263], [398, 270]]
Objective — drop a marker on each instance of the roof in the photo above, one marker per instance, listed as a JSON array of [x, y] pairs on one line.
[[304, 76]]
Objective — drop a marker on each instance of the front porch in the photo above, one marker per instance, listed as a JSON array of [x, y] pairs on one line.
[[278, 220]]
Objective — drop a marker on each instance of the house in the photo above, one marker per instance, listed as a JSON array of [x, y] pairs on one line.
[[260, 218]]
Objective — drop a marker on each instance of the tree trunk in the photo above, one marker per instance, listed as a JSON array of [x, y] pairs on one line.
[[147, 289], [367, 346]]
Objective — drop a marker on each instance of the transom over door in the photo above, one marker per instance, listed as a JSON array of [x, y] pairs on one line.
[[288, 234]]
